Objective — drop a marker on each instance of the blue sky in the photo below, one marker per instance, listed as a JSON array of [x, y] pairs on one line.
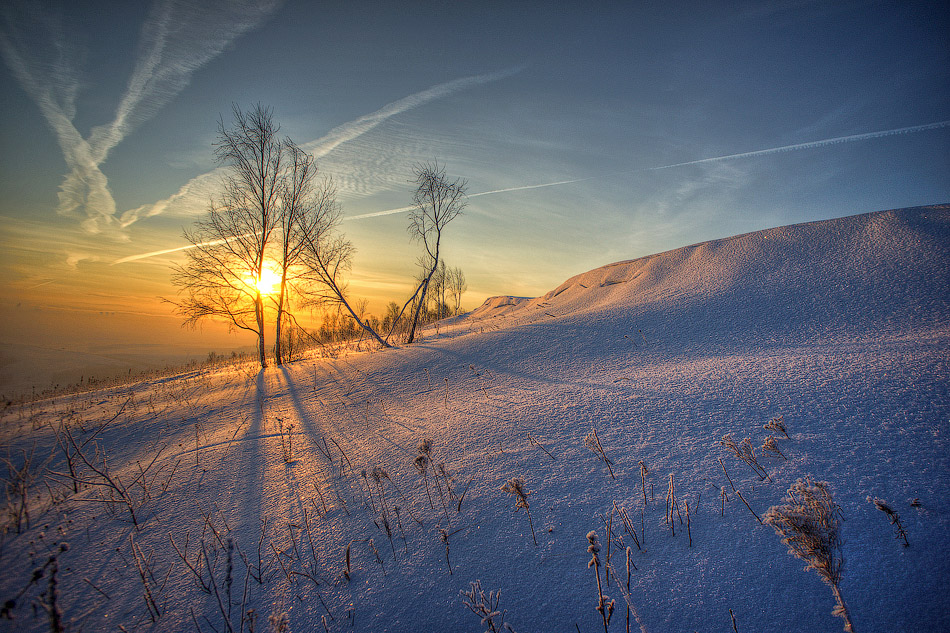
[[110, 109]]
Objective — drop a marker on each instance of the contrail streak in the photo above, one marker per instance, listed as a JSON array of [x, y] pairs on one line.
[[132, 258], [349, 131], [812, 144], [196, 190], [377, 214], [174, 42], [44, 283], [761, 152], [547, 184]]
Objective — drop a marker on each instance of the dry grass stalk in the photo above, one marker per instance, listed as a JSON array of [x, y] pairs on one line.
[[689, 534], [625, 592], [485, 606], [425, 450], [593, 443], [628, 525], [142, 564], [742, 499], [727, 474], [286, 440], [670, 504], [610, 537], [539, 445], [643, 485], [444, 535], [17, 486], [744, 452], [515, 487], [421, 462], [605, 606], [895, 519]]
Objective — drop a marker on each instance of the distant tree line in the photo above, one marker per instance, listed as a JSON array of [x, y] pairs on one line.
[[271, 246]]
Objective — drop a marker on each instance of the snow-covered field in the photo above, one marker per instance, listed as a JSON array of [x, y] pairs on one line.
[[264, 481]]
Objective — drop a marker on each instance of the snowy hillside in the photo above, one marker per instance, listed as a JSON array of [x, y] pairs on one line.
[[277, 492]]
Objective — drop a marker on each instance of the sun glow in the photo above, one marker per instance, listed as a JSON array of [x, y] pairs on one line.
[[269, 282]]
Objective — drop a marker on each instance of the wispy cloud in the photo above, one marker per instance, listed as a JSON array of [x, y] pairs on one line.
[[175, 41], [715, 159], [349, 131], [193, 196]]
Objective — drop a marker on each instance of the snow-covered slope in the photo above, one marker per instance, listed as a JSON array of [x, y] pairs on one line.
[[886, 272], [840, 327]]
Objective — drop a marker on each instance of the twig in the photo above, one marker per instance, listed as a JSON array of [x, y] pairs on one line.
[[538, 444]]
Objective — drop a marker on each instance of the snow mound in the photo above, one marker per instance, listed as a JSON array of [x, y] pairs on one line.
[[837, 278]]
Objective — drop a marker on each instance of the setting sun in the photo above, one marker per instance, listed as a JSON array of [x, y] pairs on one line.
[[268, 284]]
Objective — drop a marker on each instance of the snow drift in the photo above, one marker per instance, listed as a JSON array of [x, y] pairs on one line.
[[285, 483]]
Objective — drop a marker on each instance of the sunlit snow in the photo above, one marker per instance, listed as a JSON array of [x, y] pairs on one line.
[[265, 481]]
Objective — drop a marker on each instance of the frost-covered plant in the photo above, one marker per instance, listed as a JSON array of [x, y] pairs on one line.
[[744, 452], [777, 424], [771, 446], [605, 606], [279, 622], [895, 518], [485, 606], [515, 487], [593, 443], [425, 452], [444, 535], [16, 485], [421, 462], [808, 523]]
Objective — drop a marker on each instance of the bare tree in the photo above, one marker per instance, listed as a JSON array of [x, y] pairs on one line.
[[390, 317], [326, 255], [436, 202], [457, 287], [299, 198], [223, 273]]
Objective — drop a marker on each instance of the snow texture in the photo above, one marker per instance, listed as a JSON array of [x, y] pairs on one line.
[[842, 327]]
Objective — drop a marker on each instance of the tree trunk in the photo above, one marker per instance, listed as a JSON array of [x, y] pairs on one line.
[[415, 313], [278, 345], [422, 297], [261, 349]]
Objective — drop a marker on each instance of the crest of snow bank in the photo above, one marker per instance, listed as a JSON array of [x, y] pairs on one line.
[[853, 272], [496, 306]]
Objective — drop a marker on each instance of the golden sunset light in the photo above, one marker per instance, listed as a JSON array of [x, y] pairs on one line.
[[438, 317]]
